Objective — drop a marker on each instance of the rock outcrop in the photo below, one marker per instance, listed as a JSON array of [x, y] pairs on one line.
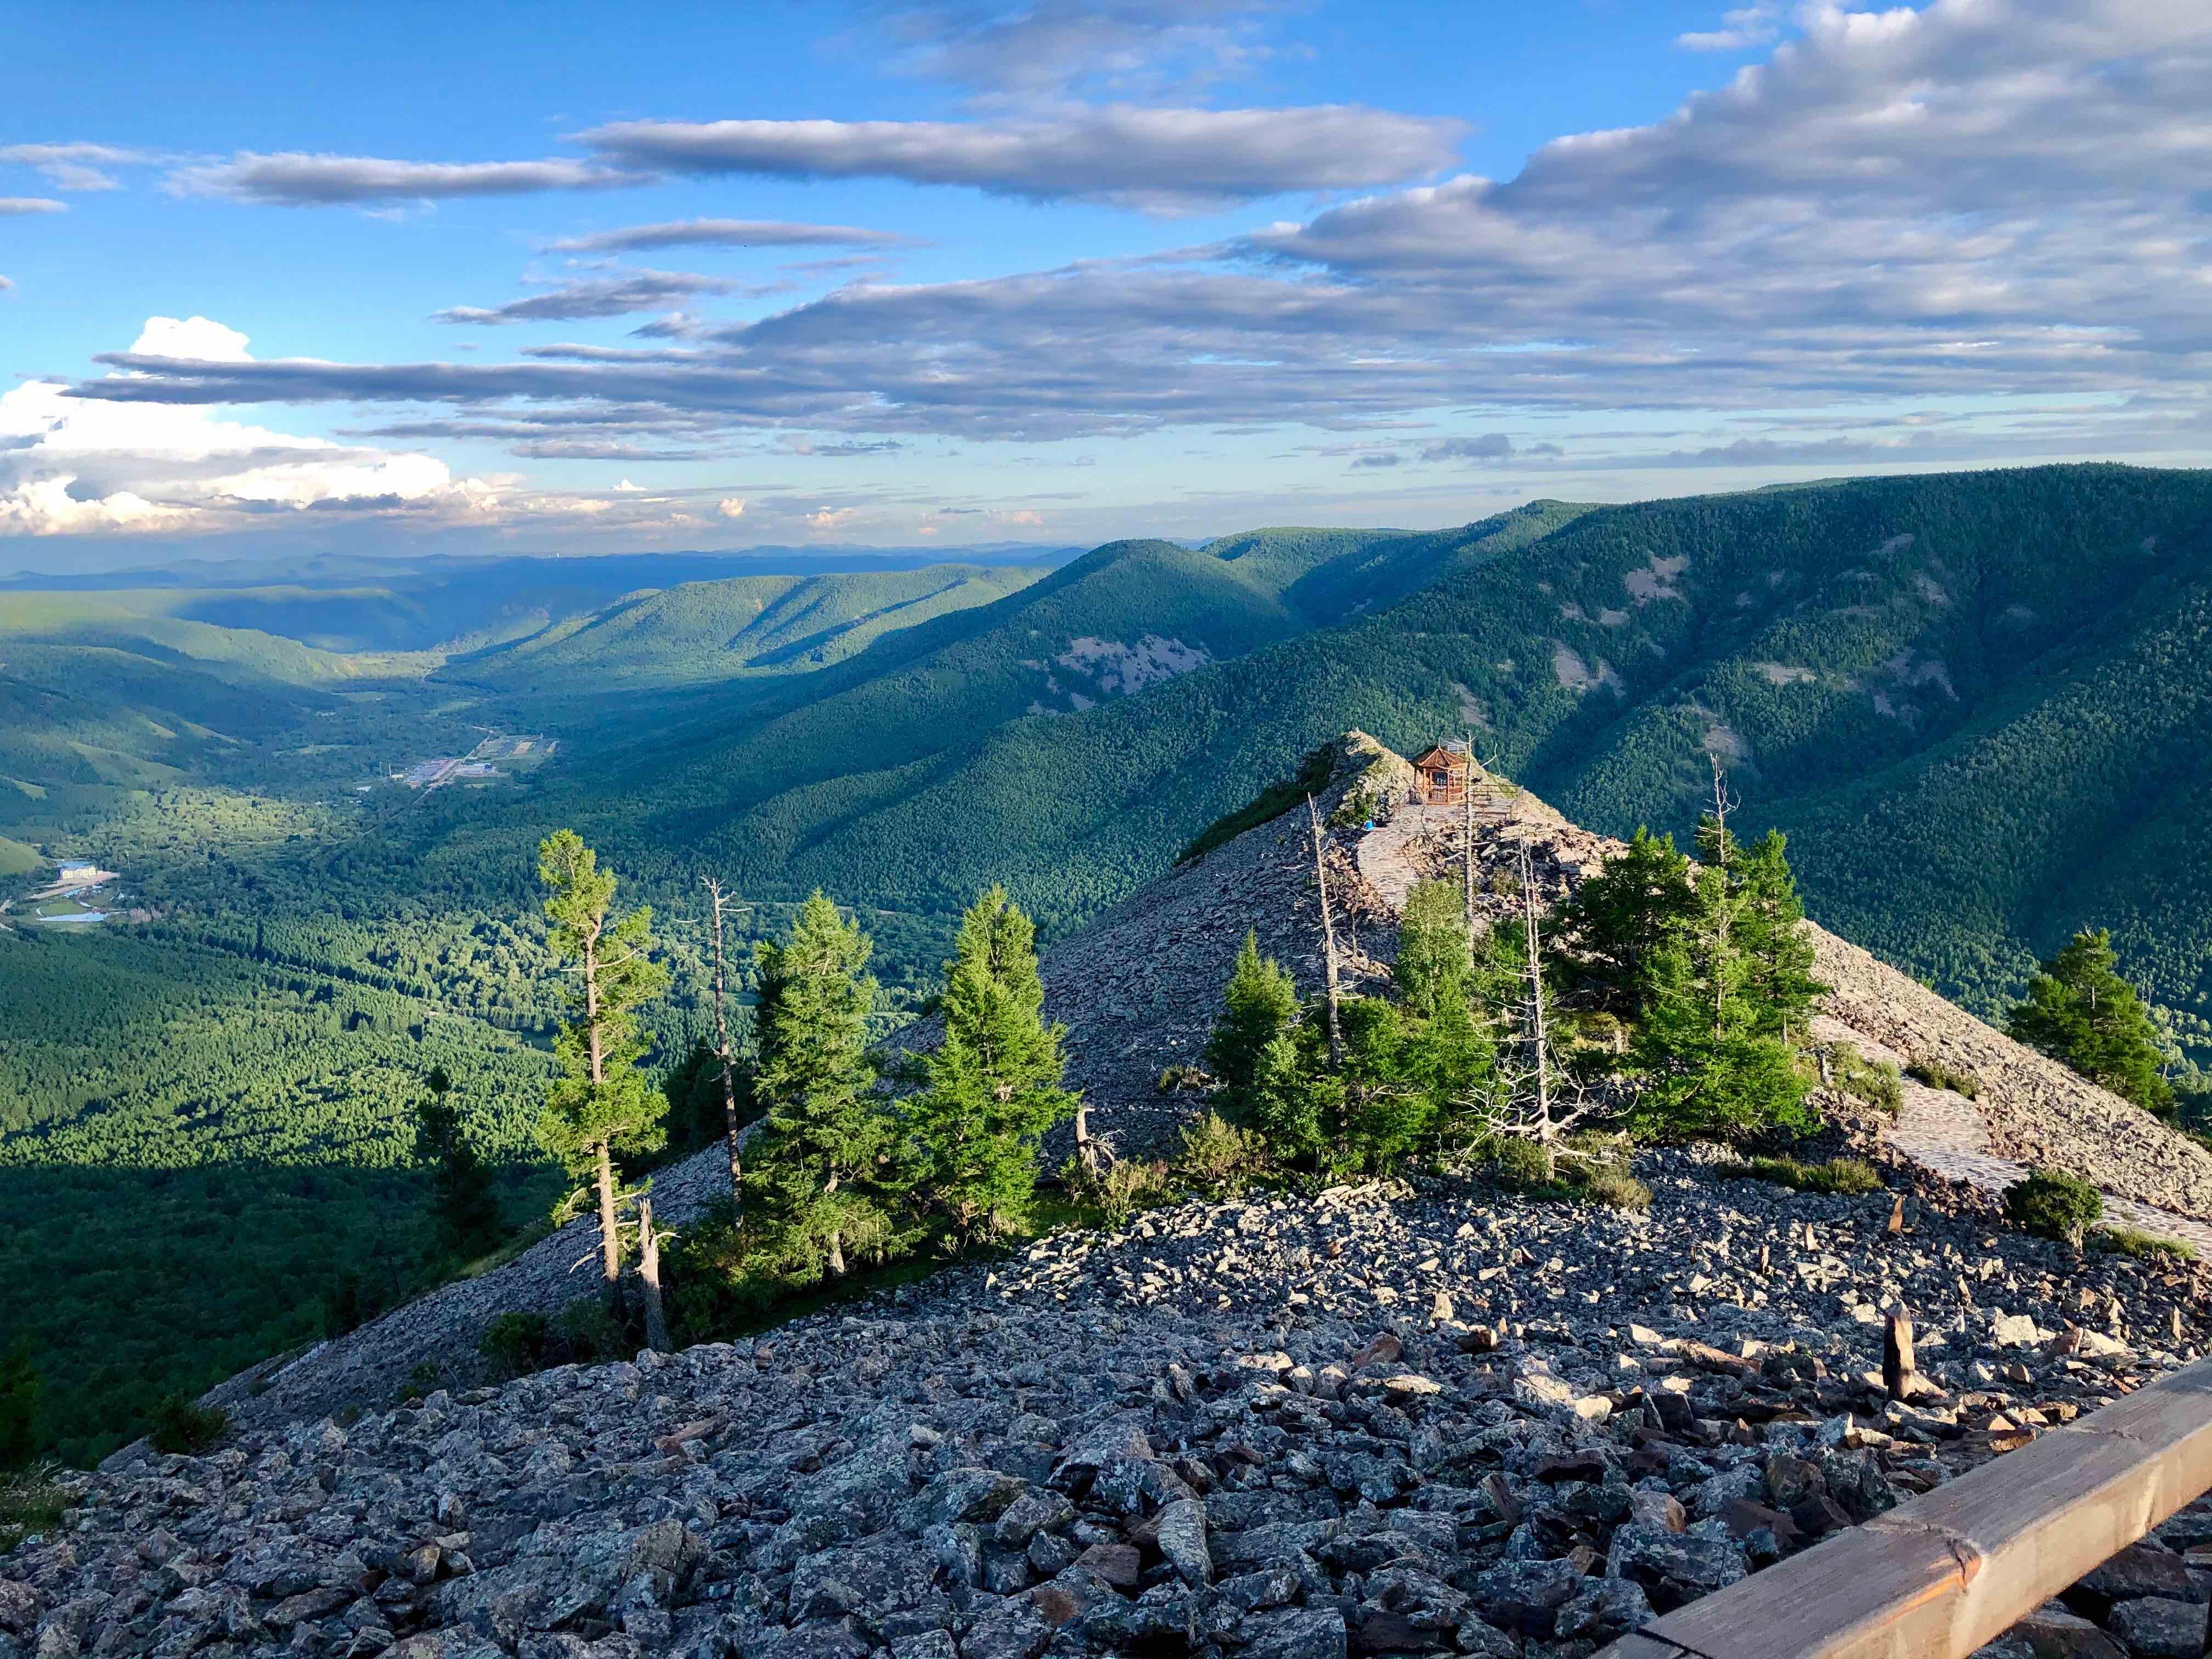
[[1378, 1420]]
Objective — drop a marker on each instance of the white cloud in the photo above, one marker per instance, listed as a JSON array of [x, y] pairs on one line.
[[194, 337], [13, 204], [726, 233], [1161, 161], [1740, 30], [732, 507], [627, 487], [73, 465], [293, 180], [71, 165], [1996, 204]]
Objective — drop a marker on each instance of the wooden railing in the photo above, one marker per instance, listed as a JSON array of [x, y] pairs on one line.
[[1937, 1578]]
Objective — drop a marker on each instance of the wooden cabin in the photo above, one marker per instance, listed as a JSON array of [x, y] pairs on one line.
[[1440, 775]]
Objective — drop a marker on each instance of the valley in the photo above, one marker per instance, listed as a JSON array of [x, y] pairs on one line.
[[1968, 700]]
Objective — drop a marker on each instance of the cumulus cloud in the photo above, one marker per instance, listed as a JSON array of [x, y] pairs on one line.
[[1985, 201], [73, 465], [731, 506], [726, 233], [1490, 446], [1160, 161], [293, 180], [1740, 30], [31, 205], [71, 165], [1054, 46], [603, 296]]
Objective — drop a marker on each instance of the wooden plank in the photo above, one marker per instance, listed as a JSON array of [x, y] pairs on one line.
[[1950, 1571]]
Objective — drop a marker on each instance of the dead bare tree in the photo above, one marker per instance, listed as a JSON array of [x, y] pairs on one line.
[[648, 1274], [1466, 848], [1327, 938], [1724, 802], [1533, 1100], [1539, 1047], [720, 900]]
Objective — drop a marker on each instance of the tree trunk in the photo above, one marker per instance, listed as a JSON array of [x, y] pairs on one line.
[[1466, 848], [609, 1238], [836, 1253], [1539, 1042], [1897, 1361], [722, 1047], [1086, 1150], [649, 1273], [609, 1234], [1327, 939]]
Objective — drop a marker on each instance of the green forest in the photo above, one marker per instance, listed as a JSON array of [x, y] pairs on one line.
[[1970, 700]]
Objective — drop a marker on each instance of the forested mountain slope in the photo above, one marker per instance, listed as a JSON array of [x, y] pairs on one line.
[[1976, 700], [702, 631]]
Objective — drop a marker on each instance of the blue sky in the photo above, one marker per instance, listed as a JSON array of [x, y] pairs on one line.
[[955, 271]]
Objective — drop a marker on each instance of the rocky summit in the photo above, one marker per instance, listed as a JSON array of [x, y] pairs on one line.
[[1382, 1419]]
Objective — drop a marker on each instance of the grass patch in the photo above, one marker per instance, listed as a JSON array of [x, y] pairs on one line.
[[1936, 1075], [1268, 804], [1588, 1168], [2142, 1246], [1849, 1177], [31, 1500], [1878, 1083]]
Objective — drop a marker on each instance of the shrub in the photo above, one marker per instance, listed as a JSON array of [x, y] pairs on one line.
[[514, 1343], [1936, 1075], [1851, 1177], [1120, 1189], [1218, 1158], [1878, 1083], [2055, 1205], [2127, 1241], [180, 1427], [1613, 1186], [1589, 1168], [1519, 1166], [31, 1500], [1177, 1077], [582, 1333]]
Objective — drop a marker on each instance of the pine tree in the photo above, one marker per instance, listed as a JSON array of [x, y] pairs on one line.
[[1432, 968], [1622, 918], [1446, 1049], [1778, 959], [2080, 1011], [817, 1173], [994, 1082], [462, 1201], [598, 1105], [19, 1406], [1259, 1005], [1704, 1067]]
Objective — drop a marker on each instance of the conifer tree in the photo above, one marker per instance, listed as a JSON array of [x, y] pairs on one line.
[[1432, 968], [1447, 1049], [462, 1201], [994, 1083], [1704, 1066], [19, 1406], [1623, 918], [2081, 1012], [1778, 957], [598, 1105], [818, 1169], [1259, 1006]]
